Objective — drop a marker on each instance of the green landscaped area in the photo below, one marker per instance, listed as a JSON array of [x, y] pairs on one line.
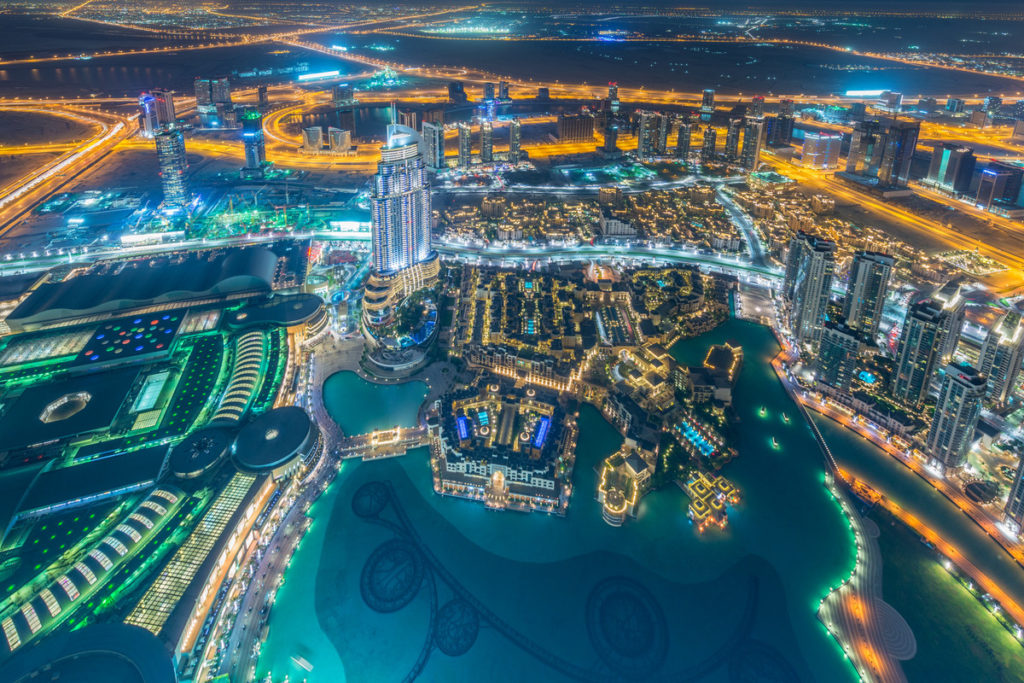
[[958, 639]]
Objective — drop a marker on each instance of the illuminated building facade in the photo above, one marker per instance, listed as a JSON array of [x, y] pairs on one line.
[[836, 363], [252, 140], [952, 167], [919, 351], [465, 145], [810, 265], [486, 142], [821, 150], [515, 141], [173, 164], [164, 101], [148, 123], [433, 145], [956, 415], [753, 141], [865, 296], [1001, 356]]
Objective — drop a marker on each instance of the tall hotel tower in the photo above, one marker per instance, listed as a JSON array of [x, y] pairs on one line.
[[400, 210]]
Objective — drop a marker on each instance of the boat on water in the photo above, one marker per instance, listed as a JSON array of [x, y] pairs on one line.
[[785, 418], [775, 443], [763, 411], [302, 662]]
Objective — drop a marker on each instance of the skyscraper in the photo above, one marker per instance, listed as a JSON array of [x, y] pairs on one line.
[[488, 92], [683, 140], [610, 146], [313, 139], [252, 140], [952, 167], [919, 351], [865, 296], [707, 147], [707, 104], [575, 127], [515, 141], [954, 306], [786, 108], [993, 103], [661, 142], [400, 215], [211, 94], [148, 124], [647, 144], [954, 105], [1001, 184], [433, 145], [732, 139], [486, 142], [821, 150], [457, 93], [165, 115], [173, 163], [810, 265], [1001, 356], [778, 130], [400, 204], [262, 97], [836, 362], [1014, 510], [613, 97], [339, 140], [898, 153], [465, 145], [956, 415], [753, 141], [757, 106], [503, 90], [865, 149]]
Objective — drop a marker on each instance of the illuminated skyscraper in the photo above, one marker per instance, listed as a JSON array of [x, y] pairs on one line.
[[1001, 356], [1014, 510], [515, 141], [503, 90], [252, 140], [433, 145], [956, 416], [757, 106], [613, 97], [400, 204], [165, 115], [954, 306], [212, 94], [148, 124], [955, 105], [732, 139], [486, 142], [919, 351], [993, 103], [810, 265], [753, 141], [575, 127], [707, 105], [952, 167], [786, 108], [865, 297], [707, 147], [173, 163], [898, 153], [465, 145], [339, 140], [457, 93], [683, 140], [262, 97], [647, 145], [821, 150], [313, 139]]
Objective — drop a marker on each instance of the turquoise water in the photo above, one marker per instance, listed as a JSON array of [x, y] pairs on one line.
[[403, 582], [359, 406]]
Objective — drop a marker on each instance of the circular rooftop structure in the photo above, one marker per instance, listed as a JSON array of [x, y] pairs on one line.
[[275, 441], [110, 652], [201, 450], [283, 310]]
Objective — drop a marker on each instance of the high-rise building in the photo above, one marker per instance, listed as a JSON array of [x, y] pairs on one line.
[[753, 141], [786, 108], [173, 163], [707, 147], [1018, 110], [927, 105], [980, 118], [919, 351], [148, 124], [707, 104], [898, 153], [164, 101], [610, 146], [1014, 510], [757, 106], [515, 141], [836, 361], [1001, 184], [400, 204], [954, 306], [342, 95], [683, 140], [613, 97], [575, 127], [732, 139], [252, 141], [865, 297], [503, 90], [433, 145], [339, 140], [956, 416], [664, 127], [993, 103], [1001, 356], [313, 139], [486, 142], [262, 97], [810, 265], [890, 101], [821, 150], [1017, 136], [649, 133], [409, 118], [883, 154], [778, 130], [465, 145], [954, 105], [543, 94], [488, 92], [952, 167], [400, 217], [212, 94], [457, 93]]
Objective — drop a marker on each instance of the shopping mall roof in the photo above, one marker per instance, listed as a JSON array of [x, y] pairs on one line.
[[274, 439], [121, 285], [110, 652], [64, 408], [284, 310], [201, 450]]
